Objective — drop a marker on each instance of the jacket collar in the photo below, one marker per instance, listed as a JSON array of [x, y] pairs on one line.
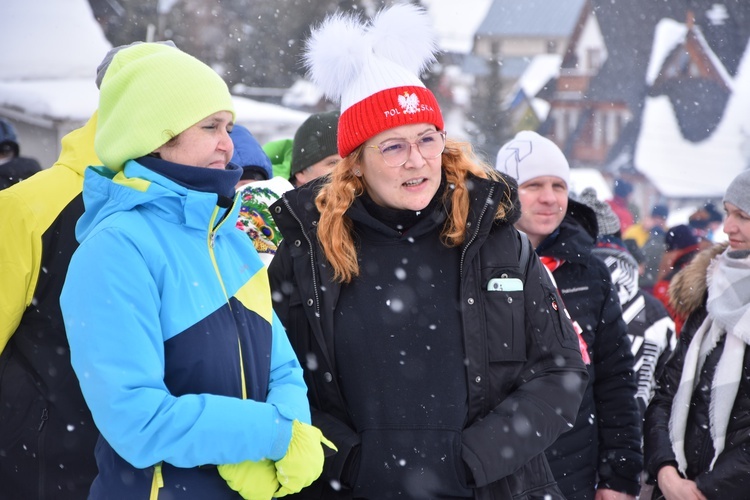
[[574, 238], [106, 192], [485, 196]]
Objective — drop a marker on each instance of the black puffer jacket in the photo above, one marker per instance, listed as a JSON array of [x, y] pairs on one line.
[[16, 170], [519, 358], [730, 477], [605, 444]]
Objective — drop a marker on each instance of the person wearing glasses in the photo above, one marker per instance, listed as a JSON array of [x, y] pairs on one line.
[[435, 350]]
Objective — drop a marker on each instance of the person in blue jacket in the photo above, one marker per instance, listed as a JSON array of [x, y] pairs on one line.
[[187, 371]]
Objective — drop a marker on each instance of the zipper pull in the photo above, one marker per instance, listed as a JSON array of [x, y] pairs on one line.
[[157, 482], [211, 239], [45, 417]]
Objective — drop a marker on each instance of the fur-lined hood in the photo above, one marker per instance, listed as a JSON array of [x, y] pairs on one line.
[[687, 291]]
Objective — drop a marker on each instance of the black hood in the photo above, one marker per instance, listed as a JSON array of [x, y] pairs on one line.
[[574, 238], [584, 215]]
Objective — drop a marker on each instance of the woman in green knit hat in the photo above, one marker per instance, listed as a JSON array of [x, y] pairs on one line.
[[166, 304]]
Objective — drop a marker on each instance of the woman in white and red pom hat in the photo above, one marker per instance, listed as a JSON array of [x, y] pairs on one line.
[[434, 349]]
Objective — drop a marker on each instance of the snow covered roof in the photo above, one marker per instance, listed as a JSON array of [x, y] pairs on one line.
[[51, 100], [456, 22], [537, 74], [581, 178], [510, 18], [48, 76], [50, 39], [628, 30], [267, 121], [680, 168]]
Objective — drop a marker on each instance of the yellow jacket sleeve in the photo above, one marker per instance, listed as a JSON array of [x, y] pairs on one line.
[[27, 210], [20, 257]]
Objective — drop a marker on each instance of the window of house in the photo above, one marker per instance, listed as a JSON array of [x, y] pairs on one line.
[[597, 129], [594, 59]]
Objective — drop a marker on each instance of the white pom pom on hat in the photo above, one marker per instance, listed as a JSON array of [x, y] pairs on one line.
[[372, 70], [529, 155]]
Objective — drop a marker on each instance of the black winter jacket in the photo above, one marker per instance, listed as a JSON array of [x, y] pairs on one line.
[[730, 477], [604, 447], [521, 354], [17, 169]]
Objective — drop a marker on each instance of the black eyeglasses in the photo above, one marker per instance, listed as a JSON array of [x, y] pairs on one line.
[[396, 152]]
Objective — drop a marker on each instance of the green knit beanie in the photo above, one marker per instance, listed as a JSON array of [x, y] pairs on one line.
[[315, 140], [150, 93]]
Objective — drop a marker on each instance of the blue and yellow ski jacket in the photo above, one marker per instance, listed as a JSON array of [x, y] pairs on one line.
[[180, 356]]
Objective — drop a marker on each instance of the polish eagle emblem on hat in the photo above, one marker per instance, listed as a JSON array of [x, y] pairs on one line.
[[409, 103]]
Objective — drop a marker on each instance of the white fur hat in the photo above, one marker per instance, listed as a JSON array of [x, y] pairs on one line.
[[529, 155], [373, 71]]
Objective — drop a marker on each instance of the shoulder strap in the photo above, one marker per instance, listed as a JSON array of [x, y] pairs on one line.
[[524, 258]]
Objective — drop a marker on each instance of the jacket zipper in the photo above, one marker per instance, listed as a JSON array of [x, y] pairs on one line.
[[157, 482], [211, 242], [485, 369], [475, 234], [40, 445], [312, 257]]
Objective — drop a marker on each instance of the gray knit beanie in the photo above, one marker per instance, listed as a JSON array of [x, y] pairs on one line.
[[738, 192], [104, 65], [606, 218], [314, 140]]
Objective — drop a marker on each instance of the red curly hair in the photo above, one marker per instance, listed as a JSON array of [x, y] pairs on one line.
[[338, 194]]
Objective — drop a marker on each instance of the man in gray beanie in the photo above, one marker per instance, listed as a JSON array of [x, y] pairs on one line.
[[315, 149], [603, 449]]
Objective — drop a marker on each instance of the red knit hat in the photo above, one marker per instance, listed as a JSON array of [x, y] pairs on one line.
[[372, 70]]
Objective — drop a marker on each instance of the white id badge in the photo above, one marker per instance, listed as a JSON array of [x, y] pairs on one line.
[[505, 285]]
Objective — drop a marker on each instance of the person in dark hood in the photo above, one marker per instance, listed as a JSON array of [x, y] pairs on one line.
[[249, 156], [13, 167], [437, 356], [600, 457]]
